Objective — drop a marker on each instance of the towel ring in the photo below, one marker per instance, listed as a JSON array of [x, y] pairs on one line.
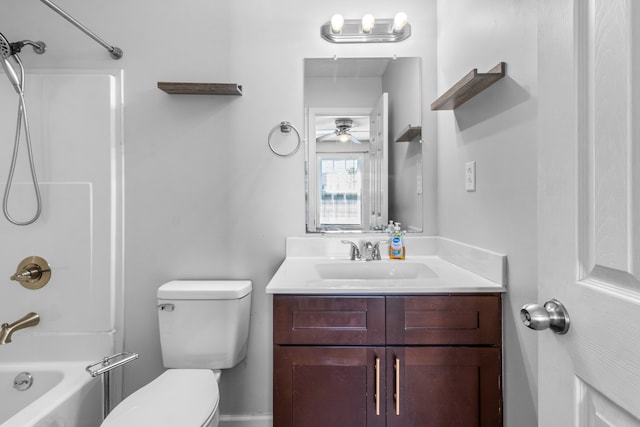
[[285, 127]]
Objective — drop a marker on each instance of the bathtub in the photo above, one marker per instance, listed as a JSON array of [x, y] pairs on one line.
[[63, 394]]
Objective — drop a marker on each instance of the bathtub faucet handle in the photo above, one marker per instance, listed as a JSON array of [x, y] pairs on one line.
[[32, 272]]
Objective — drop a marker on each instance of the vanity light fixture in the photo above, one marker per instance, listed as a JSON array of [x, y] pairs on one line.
[[366, 30]]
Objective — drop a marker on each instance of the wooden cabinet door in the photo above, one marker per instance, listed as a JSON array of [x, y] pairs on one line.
[[443, 386], [328, 387]]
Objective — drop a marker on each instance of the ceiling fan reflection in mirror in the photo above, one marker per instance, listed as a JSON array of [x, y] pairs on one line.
[[344, 130]]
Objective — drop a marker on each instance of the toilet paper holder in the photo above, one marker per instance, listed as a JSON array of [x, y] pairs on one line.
[[104, 367]]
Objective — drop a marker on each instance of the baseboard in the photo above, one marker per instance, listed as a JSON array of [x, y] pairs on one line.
[[260, 420]]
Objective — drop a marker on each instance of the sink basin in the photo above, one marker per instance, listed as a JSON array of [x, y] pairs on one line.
[[374, 270]]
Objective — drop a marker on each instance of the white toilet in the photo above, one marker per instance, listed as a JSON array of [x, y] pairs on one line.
[[204, 327]]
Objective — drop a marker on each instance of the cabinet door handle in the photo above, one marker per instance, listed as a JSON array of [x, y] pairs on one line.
[[396, 395], [377, 393]]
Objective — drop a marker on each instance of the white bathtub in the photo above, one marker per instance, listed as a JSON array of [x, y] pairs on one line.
[[63, 394]]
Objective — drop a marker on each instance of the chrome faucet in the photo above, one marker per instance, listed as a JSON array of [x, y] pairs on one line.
[[26, 321], [354, 252], [376, 249], [368, 251]]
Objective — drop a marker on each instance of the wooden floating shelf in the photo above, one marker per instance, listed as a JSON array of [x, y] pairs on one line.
[[176, 88], [468, 87], [410, 133]]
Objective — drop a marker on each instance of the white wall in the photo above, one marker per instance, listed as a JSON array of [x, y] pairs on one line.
[[204, 196], [497, 129], [405, 158], [320, 92]]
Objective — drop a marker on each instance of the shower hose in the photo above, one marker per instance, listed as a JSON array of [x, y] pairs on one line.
[[22, 118]]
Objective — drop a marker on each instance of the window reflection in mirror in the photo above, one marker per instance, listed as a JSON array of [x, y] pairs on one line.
[[340, 189], [358, 176]]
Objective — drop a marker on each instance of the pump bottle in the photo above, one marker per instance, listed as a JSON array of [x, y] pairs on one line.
[[396, 246]]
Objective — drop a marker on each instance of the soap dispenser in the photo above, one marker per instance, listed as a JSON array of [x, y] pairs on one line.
[[396, 247]]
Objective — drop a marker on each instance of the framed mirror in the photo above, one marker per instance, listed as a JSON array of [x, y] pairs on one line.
[[364, 153]]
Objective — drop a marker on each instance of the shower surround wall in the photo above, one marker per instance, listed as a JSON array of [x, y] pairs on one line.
[[75, 122]]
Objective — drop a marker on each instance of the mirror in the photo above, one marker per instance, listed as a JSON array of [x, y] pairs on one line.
[[364, 150]]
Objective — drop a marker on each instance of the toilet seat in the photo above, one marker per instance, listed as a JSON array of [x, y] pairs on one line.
[[178, 397]]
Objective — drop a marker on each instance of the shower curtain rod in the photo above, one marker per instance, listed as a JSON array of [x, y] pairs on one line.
[[115, 52]]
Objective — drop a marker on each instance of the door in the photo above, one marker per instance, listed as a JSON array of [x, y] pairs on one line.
[[379, 153], [589, 210], [338, 198], [435, 386], [328, 386]]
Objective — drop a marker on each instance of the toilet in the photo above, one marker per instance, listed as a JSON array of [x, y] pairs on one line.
[[204, 327]]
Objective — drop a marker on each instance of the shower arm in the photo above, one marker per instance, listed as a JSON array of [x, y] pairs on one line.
[[115, 52], [38, 47]]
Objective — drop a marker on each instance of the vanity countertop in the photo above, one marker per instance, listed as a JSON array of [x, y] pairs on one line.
[[438, 266], [300, 275]]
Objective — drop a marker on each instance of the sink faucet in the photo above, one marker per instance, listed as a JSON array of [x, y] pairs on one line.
[[354, 252], [368, 251], [28, 320], [376, 249]]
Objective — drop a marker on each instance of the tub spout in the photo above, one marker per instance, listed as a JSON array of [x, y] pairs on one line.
[[26, 321]]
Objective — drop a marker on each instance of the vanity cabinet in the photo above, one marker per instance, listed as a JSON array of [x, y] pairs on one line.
[[401, 361]]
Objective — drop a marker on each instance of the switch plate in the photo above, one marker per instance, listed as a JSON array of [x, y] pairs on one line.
[[470, 176]]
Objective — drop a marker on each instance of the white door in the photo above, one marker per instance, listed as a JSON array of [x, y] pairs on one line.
[[589, 210], [379, 154]]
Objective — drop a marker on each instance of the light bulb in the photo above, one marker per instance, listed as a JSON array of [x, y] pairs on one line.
[[368, 22], [344, 137], [399, 21], [337, 21]]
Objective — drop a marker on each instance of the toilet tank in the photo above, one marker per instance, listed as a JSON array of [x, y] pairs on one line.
[[204, 324]]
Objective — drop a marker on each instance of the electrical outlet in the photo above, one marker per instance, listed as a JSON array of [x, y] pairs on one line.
[[470, 176]]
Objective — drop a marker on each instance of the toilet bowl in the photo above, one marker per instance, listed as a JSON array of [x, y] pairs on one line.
[[178, 397], [204, 327]]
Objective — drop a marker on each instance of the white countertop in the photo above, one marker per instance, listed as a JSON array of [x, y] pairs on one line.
[[299, 275]]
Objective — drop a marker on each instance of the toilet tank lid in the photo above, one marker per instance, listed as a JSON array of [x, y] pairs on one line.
[[204, 289]]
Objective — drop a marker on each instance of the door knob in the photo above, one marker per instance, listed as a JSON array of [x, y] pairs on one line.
[[552, 316]]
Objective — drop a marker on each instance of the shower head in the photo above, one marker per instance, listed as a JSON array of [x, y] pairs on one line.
[[6, 52], [5, 47]]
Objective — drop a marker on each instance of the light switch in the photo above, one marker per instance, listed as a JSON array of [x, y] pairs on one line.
[[470, 176]]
